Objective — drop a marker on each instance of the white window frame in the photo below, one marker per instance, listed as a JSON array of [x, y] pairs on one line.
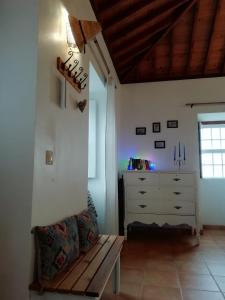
[[211, 125], [92, 139]]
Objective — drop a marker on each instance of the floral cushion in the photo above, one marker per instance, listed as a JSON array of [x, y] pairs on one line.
[[88, 229], [58, 246]]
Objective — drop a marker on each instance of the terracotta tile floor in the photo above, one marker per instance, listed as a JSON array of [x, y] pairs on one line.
[[169, 266]]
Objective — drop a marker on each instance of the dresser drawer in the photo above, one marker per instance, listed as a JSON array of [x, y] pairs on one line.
[[176, 179], [161, 207], [180, 193], [142, 192], [141, 179]]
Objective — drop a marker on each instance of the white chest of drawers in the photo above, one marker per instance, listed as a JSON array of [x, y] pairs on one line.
[[161, 198]]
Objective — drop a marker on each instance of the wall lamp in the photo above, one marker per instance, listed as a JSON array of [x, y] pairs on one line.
[[79, 32]]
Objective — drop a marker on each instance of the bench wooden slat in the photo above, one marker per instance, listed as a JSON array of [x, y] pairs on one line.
[[51, 285], [97, 285], [89, 273], [84, 281], [69, 281]]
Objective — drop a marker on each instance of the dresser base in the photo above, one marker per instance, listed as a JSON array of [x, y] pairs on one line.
[[163, 221]]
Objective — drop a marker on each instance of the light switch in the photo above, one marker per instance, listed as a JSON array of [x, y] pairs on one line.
[[49, 157]]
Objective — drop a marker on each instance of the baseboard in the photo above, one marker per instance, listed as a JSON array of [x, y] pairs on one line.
[[215, 227]]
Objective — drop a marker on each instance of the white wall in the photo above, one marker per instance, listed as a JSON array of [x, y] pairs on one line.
[[60, 190], [142, 104], [18, 56]]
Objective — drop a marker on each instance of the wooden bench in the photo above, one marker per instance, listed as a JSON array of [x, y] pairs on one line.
[[88, 275]]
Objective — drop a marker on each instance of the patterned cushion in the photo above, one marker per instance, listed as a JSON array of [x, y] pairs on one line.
[[58, 246], [88, 229], [91, 205]]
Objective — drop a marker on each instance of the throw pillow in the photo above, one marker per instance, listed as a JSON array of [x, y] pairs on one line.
[[88, 229], [58, 246], [91, 205]]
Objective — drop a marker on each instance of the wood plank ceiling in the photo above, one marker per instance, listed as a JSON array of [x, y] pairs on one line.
[[157, 40]]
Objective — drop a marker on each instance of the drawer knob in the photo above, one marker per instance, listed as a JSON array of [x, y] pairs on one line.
[[142, 178], [142, 205], [142, 192], [176, 179], [177, 207], [177, 193]]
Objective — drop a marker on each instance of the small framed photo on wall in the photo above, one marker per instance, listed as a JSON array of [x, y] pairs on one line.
[[140, 130], [172, 124], [156, 127], [160, 144]]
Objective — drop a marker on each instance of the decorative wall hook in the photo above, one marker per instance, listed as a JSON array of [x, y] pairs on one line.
[[82, 80], [76, 63], [74, 78], [81, 69], [63, 64], [81, 105]]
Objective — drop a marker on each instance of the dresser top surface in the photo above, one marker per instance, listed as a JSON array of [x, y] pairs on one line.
[[158, 172]]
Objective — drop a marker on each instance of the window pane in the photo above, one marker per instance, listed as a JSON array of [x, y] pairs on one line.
[[215, 133], [206, 133], [207, 159], [223, 155], [207, 171], [223, 133], [218, 171], [206, 145], [217, 158], [222, 144], [216, 144]]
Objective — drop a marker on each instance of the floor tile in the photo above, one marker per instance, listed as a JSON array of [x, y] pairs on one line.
[[130, 275], [198, 282], [159, 293], [132, 261], [221, 282], [160, 278], [201, 295], [160, 265], [217, 268], [192, 267]]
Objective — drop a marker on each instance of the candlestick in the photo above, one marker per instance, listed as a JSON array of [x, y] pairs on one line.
[[184, 153], [179, 150], [175, 150]]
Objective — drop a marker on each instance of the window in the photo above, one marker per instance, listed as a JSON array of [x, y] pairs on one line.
[[212, 149]]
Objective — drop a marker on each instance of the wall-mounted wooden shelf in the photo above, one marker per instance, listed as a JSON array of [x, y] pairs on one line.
[[62, 68]]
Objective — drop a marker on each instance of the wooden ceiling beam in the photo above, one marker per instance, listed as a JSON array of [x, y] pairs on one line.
[[181, 77], [143, 29], [192, 36], [151, 11], [100, 5], [170, 53], [109, 16], [211, 34], [183, 10], [140, 43], [129, 59]]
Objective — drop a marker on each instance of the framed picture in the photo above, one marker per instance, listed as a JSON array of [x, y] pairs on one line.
[[160, 144], [172, 124], [140, 130], [156, 127]]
